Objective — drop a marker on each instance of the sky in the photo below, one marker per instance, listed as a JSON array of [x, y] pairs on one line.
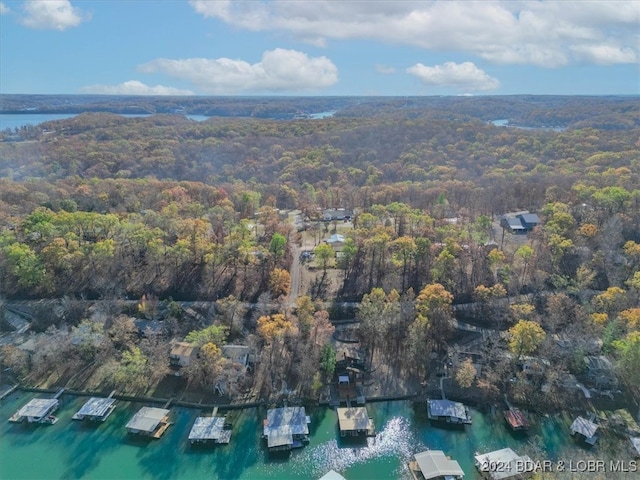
[[314, 47]]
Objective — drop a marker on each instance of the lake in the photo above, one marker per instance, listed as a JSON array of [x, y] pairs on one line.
[[70, 449]]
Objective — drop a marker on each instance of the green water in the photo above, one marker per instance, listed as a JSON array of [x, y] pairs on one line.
[[71, 449]]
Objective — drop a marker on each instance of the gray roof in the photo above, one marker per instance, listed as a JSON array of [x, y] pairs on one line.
[[510, 462], [147, 419], [282, 423], [96, 406], [434, 463], [353, 418], [332, 475], [635, 441], [447, 408], [584, 427], [514, 223], [38, 407], [529, 217], [207, 428]]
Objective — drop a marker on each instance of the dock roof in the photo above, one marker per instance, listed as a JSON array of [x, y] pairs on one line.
[[207, 428], [584, 427], [511, 464], [516, 418], [447, 408], [147, 419], [635, 441], [96, 407], [38, 407], [353, 418], [434, 463], [332, 475], [282, 423]]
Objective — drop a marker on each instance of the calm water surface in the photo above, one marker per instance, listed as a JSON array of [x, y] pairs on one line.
[[70, 449]]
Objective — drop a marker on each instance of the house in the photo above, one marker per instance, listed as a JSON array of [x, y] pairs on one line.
[[286, 428], [448, 412], [513, 225], [339, 214], [96, 409], [149, 421], [528, 220], [237, 354], [502, 464], [586, 429], [519, 223], [38, 410], [434, 464], [336, 240], [599, 372], [355, 421], [210, 430], [181, 355]]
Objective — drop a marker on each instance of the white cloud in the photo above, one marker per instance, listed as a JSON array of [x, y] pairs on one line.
[[51, 15], [548, 33], [385, 69], [278, 71], [134, 87], [463, 76], [4, 9], [605, 54]]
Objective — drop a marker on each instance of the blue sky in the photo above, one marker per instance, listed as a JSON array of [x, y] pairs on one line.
[[309, 47]]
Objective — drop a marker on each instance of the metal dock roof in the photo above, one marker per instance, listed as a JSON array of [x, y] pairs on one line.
[[38, 407], [147, 419], [447, 408], [96, 407], [207, 428], [282, 423], [353, 418], [434, 463], [511, 464]]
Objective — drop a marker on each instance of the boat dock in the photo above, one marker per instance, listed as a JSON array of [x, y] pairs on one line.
[[515, 418], [211, 429], [96, 408]]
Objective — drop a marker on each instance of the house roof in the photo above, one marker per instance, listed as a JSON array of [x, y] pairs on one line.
[[335, 238], [513, 223], [529, 218], [353, 418], [447, 408], [96, 406], [236, 353], [434, 463], [38, 407], [182, 349], [147, 419], [584, 427]]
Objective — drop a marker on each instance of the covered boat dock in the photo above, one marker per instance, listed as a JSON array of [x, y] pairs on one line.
[[286, 428], [96, 409], [355, 421], [149, 421], [447, 411], [38, 410], [434, 464], [210, 430]]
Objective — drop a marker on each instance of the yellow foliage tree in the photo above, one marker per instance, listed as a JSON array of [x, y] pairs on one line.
[[525, 337]]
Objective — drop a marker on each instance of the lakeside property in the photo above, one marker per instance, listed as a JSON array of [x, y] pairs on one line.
[[102, 449]]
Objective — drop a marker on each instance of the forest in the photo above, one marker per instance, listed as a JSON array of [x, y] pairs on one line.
[[145, 216]]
